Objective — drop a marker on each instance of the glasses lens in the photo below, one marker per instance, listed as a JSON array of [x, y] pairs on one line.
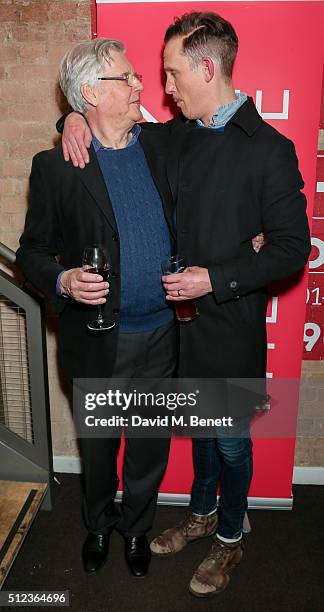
[[133, 78]]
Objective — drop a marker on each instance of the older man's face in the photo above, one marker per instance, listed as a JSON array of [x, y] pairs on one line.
[[118, 102]]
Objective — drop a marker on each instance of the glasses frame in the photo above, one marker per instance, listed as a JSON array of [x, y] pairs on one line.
[[129, 78]]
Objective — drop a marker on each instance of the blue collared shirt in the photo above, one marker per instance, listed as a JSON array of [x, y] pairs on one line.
[[225, 113], [135, 131]]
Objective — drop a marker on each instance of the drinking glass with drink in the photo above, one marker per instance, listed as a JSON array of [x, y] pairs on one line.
[[186, 310], [95, 261]]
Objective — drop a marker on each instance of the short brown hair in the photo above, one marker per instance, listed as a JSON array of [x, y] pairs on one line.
[[206, 34]]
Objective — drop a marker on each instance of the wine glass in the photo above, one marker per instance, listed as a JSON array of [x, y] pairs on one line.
[[95, 261], [186, 310]]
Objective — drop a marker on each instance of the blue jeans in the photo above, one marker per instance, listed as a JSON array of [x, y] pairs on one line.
[[227, 461]]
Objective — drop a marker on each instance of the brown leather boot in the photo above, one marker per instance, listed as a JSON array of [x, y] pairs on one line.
[[212, 575], [192, 528]]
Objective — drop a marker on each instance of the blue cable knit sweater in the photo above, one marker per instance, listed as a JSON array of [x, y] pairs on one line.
[[143, 235]]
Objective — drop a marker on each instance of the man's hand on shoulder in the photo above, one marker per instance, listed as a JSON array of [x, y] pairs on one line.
[[76, 140], [83, 286]]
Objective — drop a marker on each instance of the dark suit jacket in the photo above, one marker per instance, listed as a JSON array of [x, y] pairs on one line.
[[228, 188], [69, 209]]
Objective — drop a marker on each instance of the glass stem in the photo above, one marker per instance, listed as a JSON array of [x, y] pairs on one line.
[[100, 317]]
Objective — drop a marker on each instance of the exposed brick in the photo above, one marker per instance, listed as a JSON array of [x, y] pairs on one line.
[[4, 111], [10, 91], [17, 221], [317, 452], [9, 53], [317, 408], [84, 11], [38, 73], [311, 367], [17, 32], [310, 450], [302, 455], [4, 32], [14, 204], [36, 130], [35, 11], [13, 167], [10, 186], [4, 149], [321, 140], [307, 395], [25, 32], [56, 52], [36, 91], [9, 12], [56, 33], [64, 11], [77, 31], [5, 222], [306, 427], [30, 112], [10, 239], [25, 149], [16, 72], [33, 53], [37, 32]]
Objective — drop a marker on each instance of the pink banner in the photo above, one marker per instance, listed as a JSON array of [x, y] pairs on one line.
[[280, 63], [313, 331]]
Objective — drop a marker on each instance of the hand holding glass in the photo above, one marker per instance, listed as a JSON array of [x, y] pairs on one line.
[[95, 261], [186, 310]]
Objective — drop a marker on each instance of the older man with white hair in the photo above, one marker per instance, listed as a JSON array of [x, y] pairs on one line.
[[115, 203]]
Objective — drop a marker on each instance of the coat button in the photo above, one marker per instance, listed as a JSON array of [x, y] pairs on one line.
[[115, 237], [115, 310], [233, 285]]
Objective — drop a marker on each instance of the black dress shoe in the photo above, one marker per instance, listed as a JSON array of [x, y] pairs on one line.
[[95, 551], [137, 555]]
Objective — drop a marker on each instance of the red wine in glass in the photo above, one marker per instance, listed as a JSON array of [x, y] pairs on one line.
[[104, 272], [186, 310], [95, 261]]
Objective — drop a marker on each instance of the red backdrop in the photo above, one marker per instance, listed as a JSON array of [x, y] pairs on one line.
[[280, 64]]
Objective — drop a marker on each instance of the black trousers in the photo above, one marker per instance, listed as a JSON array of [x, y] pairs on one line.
[[151, 354]]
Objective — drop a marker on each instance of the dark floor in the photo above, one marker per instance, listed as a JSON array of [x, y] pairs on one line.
[[282, 568]]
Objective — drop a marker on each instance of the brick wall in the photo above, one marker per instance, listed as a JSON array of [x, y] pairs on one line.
[[34, 34]]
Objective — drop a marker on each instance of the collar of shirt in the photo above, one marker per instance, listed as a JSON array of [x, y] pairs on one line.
[[225, 113], [135, 131]]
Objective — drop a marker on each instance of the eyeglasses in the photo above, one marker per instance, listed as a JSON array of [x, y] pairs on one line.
[[130, 77]]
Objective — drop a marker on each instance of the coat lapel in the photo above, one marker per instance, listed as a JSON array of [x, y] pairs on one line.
[[93, 181], [156, 152], [176, 142]]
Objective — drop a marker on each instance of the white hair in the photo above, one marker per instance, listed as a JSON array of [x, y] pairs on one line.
[[83, 64]]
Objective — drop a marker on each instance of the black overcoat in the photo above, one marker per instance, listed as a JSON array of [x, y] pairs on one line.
[[228, 188], [69, 209]]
